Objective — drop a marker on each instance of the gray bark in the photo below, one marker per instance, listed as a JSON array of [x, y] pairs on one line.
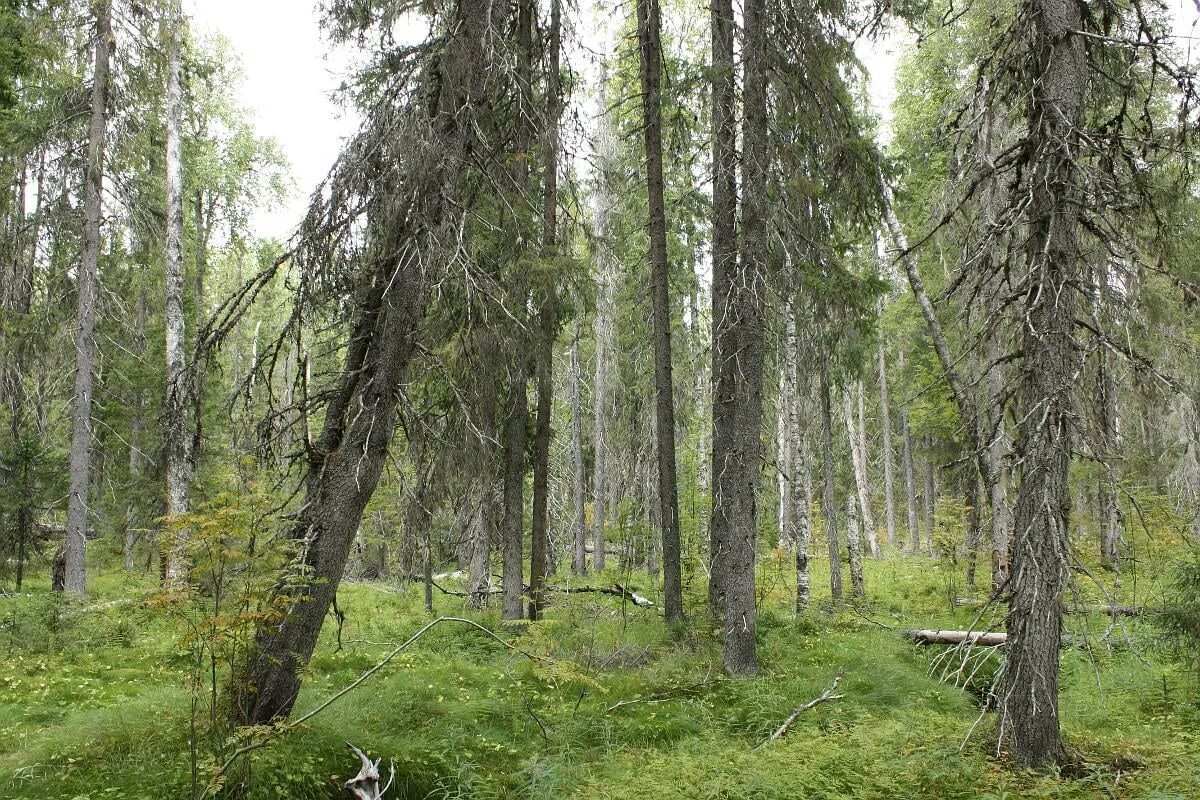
[[80, 457], [858, 458], [910, 486], [579, 525], [175, 449], [829, 497], [889, 454], [738, 399], [649, 25], [929, 502], [724, 248], [854, 545], [346, 462], [1029, 685]]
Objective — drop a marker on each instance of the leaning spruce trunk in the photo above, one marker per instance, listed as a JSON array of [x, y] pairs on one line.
[[361, 417], [1028, 726], [80, 458]]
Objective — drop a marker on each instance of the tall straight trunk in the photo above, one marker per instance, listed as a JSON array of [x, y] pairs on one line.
[[788, 432], [910, 485], [175, 449], [889, 453], [512, 529], [929, 502], [649, 24], [854, 546], [997, 492], [137, 408], [80, 458], [479, 532], [829, 495], [24, 269], [604, 326], [539, 544], [724, 248], [360, 415], [1107, 426], [539, 551], [973, 499], [738, 344], [862, 487], [578, 526], [803, 520], [1029, 722]]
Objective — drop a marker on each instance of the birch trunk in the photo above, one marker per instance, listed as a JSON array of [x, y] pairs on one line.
[[858, 461], [854, 545], [79, 467], [889, 454], [175, 449]]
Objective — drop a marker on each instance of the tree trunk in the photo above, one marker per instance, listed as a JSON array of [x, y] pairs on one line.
[[479, 581], [1029, 721], [724, 249], [579, 526], [138, 406], [929, 496], [998, 490], [788, 432], [79, 468], [829, 498], [910, 486], [738, 347], [649, 25], [512, 530], [854, 545], [889, 455], [803, 518], [177, 466], [854, 436], [360, 416], [1106, 438], [973, 499]]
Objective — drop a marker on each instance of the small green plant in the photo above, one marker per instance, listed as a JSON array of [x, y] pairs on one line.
[[235, 559]]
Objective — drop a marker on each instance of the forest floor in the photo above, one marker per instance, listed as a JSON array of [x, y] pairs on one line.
[[95, 703]]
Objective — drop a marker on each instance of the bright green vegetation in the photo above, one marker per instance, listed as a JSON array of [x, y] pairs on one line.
[[94, 703]]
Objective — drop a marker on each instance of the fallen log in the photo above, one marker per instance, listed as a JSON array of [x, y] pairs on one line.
[[980, 638]]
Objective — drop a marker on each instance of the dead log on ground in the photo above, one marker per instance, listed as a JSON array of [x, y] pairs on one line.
[[980, 638]]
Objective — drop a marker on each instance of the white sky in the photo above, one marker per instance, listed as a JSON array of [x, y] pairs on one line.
[[290, 74]]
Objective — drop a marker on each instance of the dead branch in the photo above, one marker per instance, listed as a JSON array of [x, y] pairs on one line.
[[828, 694]]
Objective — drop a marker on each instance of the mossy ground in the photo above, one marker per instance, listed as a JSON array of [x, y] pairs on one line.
[[94, 704]]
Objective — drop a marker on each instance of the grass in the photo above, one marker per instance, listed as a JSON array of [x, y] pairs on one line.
[[94, 703]]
